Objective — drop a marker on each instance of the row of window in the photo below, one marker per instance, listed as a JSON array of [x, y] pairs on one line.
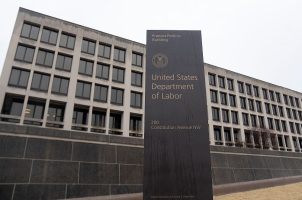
[[40, 82], [67, 40], [254, 121], [253, 90], [35, 108]]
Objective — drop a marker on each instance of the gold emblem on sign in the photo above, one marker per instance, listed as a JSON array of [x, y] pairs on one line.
[[160, 60]]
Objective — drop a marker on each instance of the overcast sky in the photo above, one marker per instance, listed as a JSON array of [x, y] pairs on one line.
[[258, 38]]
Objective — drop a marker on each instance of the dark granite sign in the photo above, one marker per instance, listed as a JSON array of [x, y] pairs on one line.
[[177, 158]]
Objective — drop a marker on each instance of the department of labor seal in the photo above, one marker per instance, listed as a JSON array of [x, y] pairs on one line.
[[160, 60]]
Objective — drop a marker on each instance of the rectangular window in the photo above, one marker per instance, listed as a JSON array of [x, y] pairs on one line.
[[300, 115], [12, 105], [289, 114], [135, 123], [278, 97], [291, 100], [285, 97], [86, 67], [118, 75], [291, 126], [243, 102], [56, 112], [251, 104], [281, 113], [137, 59], [67, 40], [212, 79], [248, 89], [119, 55], [80, 115], [45, 58], [88, 46], [117, 96], [136, 99], [100, 93], [298, 128], [83, 90], [297, 102], [25, 53], [40, 82], [270, 123], [60, 85], [35, 109], [245, 118], [240, 87], [225, 116], [64, 62], [115, 121], [215, 114], [272, 95], [136, 79], [267, 108], [284, 126], [234, 117], [214, 98], [264, 92], [274, 108], [98, 118], [217, 134], [256, 91], [30, 31], [295, 114], [221, 81], [232, 99], [18, 78], [223, 98], [261, 121], [259, 106], [254, 120], [49, 36], [277, 124], [104, 51], [102, 71], [227, 135], [230, 84]]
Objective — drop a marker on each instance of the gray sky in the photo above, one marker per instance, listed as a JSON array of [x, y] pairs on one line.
[[258, 38]]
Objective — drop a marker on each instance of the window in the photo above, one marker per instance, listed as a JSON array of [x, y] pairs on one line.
[[277, 124], [264, 92], [104, 51], [278, 97], [30, 31], [60, 85], [272, 95], [295, 114], [248, 89], [223, 98], [291, 126], [40, 82], [300, 115], [251, 104], [225, 116], [297, 102], [135, 123], [102, 71], [259, 106], [267, 108], [86, 67], [256, 91], [215, 114], [254, 120], [137, 59], [117, 96], [45, 58], [64, 62], [214, 98], [18, 78], [100, 93], [285, 99], [280, 141], [67, 40], [227, 135], [80, 115], [245, 118], [230, 84], [281, 113], [35, 109], [217, 134], [234, 117], [136, 78], [221, 82], [115, 121], [289, 114], [243, 102], [25, 53], [12, 105], [56, 112], [240, 87], [270, 123], [118, 75], [274, 108], [261, 121], [83, 89], [88, 46], [98, 118], [49, 36], [119, 55], [136, 100], [232, 99], [291, 100], [298, 128], [212, 79], [284, 126]]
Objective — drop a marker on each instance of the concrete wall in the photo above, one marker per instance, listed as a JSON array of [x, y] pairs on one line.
[[41, 163]]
